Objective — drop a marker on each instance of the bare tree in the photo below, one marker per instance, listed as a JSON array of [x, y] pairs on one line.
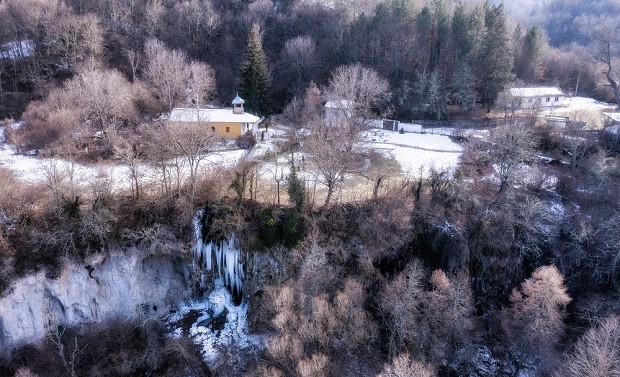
[[193, 142], [198, 18], [577, 143], [75, 38], [605, 31], [201, 82], [161, 154], [153, 12], [403, 366], [134, 58], [400, 303], [535, 320], [312, 104], [352, 93], [129, 155], [360, 86], [104, 98], [301, 112], [596, 353], [166, 73], [171, 77], [331, 157], [510, 147], [450, 313], [299, 56]]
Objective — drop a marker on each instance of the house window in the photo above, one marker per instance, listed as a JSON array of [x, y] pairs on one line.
[[557, 99], [212, 129], [548, 99], [227, 129]]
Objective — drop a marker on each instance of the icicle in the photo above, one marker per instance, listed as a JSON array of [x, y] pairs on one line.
[[208, 254], [227, 265], [230, 267], [218, 257]]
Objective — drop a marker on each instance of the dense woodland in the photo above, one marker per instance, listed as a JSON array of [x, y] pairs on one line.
[[451, 274], [436, 55]]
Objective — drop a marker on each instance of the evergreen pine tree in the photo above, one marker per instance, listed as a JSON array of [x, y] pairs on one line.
[[533, 54], [254, 76], [461, 35], [496, 55], [296, 190]]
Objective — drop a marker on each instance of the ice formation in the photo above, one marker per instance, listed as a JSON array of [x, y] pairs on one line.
[[226, 253], [213, 341], [215, 323]]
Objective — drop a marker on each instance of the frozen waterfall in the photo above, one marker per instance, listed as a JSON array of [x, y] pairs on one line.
[[225, 252], [216, 323]]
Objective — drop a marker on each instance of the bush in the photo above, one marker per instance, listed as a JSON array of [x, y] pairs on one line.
[[117, 348], [246, 141]]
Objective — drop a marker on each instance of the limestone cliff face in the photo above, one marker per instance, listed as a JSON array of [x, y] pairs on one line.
[[122, 284]]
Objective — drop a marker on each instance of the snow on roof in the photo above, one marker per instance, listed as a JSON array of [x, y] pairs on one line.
[[536, 92], [210, 115], [238, 100], [614, 116], [17, 49], [339, 104]]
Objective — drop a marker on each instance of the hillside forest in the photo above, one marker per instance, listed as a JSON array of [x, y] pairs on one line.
[[506, 263]]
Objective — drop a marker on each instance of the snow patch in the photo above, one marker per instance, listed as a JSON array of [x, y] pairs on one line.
[[416, 152], [202, 322]]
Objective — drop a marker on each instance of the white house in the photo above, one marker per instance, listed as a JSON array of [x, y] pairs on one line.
[[338, 111], [544, 97]]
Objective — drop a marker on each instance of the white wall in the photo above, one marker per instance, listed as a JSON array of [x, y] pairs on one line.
[[542, 101]]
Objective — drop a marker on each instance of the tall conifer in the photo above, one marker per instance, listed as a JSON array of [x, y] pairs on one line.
[[496, 60], [254, 75]]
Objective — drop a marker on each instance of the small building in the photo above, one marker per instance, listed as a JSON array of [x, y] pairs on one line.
[[391, 125], [612, 125], [229, 123], [544, 97], [338, 112]]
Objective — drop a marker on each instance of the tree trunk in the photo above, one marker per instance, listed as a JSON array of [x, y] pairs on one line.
[[330, 191], [375, 190]]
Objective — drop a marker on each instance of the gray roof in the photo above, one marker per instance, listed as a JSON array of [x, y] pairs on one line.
[[238, 100], [614, 116], [210, 115], [536, 91]]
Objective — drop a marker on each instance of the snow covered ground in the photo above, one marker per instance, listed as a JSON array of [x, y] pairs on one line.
[[416, 151], [33, 169], [584, 103], [582, 109]]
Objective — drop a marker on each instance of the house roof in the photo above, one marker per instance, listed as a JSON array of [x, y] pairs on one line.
[[536, 92], [339, 104], [238, 100], [210, 115], [614, 116]]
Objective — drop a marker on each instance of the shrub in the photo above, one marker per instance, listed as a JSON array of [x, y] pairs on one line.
[[246, 141]]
